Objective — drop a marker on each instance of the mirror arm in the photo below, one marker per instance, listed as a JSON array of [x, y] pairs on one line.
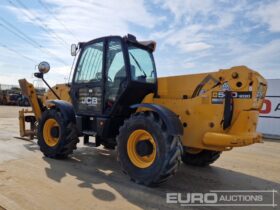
[[41, 76], [50, 88]]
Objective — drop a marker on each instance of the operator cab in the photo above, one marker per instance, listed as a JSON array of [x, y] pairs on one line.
[[111, 74]]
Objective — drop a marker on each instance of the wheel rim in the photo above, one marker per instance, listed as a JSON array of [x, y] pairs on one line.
[[139, 137], [49, 138]]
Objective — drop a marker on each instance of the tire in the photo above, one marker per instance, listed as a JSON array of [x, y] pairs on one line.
[[66, 137], [167, 150], [203, 158]]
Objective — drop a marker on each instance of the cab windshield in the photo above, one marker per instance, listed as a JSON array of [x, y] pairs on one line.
[[141, 64]]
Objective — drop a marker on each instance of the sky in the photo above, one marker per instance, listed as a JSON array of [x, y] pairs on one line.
[[192, 36]]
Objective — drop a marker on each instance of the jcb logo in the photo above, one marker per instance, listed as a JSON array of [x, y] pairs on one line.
[[91, 101]]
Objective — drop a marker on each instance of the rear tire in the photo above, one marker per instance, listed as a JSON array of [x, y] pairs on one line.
[[66, 138], [166, 150], [203, 158]]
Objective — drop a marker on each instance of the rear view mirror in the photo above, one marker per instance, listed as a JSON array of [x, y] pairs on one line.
[[44, 67], [74, 49]]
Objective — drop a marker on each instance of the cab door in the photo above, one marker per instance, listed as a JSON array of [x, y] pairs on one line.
[[116, 76], [87, 85]]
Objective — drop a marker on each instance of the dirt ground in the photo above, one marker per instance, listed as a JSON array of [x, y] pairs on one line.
[[92, 179]]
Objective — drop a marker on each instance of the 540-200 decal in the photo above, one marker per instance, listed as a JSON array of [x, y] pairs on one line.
[[218, 96]]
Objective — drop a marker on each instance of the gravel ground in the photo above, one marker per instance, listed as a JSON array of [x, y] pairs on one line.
[[92, 179]]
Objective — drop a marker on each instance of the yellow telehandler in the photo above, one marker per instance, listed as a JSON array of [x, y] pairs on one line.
[[155, 123]]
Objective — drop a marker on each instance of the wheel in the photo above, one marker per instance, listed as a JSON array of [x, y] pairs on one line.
[[147, 152], [200, 157], [57, 137]]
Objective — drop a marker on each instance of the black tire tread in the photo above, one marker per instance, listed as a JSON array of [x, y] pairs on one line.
[[204, 158], [173, 157], [70, 139]]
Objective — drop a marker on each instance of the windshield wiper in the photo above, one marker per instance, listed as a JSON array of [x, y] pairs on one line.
[[145, 75]]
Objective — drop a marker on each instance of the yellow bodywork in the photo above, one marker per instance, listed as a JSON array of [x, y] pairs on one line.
[[197, 108], [202, 119], [62, 90], [29, 91]]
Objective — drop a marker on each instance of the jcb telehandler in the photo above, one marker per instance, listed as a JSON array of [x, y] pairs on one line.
[[155, 123]]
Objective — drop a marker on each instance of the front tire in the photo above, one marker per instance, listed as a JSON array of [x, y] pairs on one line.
[[147, 152], [57, 137], [202, 158]]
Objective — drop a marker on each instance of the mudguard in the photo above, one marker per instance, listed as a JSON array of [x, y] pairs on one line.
[[65, 108], [170, 119]]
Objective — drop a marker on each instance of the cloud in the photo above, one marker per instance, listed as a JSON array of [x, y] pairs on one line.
[[182, 8], [195, 25], [59, 75], [86, 20], [263, 58], [268, 14], [192, 36], [187, 39], [225, 19], [193, 47], [220, 35], [11, 78], [101, 17]]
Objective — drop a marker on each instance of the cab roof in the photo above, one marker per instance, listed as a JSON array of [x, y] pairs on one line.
[[129, 37]]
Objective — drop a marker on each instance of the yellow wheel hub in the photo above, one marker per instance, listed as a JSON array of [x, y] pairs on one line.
[[47, 132], [140, 160]]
